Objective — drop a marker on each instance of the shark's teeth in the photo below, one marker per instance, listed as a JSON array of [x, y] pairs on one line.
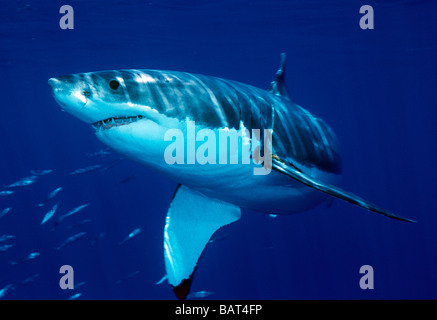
[[115, 122]]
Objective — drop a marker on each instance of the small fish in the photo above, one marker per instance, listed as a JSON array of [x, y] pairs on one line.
[[127, 179], [76, 286], [4, 290], [6, 237], [6, 193], [273, 216], [4, 211], [86, 169], [75, 296], [40, 172], [96, 239], [50, 196], [71, 212], [29, 280], [23, 182], [129, 276], [131, 235], [161, 280], [49, 214], [71, 239], [5, 247], [199, 295], [74, 211], [101, 152], [112, 164], [80, 284], [30, 256]]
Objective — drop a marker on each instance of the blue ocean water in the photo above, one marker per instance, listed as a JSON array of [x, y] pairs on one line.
[[375, 88]]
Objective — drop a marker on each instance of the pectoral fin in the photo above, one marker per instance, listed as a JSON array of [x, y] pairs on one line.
[[191, 221], [282, 166]]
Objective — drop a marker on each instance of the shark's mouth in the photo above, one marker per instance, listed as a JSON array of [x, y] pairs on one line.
[[116, 122]]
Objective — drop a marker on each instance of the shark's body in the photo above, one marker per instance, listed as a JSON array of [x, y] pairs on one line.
[[133, 109]]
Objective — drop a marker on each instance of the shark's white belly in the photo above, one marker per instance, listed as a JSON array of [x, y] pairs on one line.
[[143, 141], [272, 193]]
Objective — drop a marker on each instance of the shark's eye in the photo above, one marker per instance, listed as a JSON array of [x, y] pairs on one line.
[[114, 84]]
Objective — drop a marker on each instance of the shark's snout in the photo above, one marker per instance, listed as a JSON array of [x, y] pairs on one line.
[[70, 92], [52, 82], [54, 86]]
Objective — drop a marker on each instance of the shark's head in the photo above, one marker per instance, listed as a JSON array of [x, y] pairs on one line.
[[102, 98], [128, 108], [125, 96]]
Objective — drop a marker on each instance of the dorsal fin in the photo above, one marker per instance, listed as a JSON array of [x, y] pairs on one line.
[[278, 86]]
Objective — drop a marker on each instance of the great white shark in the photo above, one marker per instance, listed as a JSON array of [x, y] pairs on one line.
[[131, 111]]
